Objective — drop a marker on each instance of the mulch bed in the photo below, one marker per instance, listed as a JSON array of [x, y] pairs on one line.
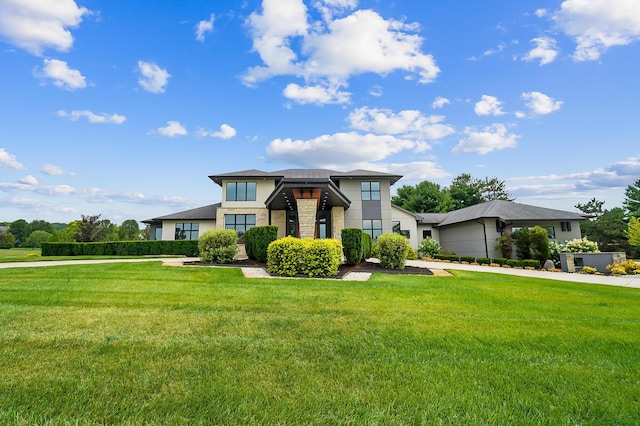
[[342, 271]]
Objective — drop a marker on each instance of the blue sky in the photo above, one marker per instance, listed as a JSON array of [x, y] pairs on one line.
[[125, 108]]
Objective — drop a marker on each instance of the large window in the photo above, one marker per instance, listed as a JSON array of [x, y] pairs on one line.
[[395, 227], [370, 190], [241, 191], [239, 222], [372, 227], [187, 231]]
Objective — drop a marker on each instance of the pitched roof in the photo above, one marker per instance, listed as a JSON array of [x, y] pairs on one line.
[[199, 213], [508, 211], [303, 174]]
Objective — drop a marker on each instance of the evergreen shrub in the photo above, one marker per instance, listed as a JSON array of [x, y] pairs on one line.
[[467, 259], [531, 263], [122, 248], [218, 246], [483, 261], [367, 246], [257, 240], [514, 263], [352, 245], [429, 247]]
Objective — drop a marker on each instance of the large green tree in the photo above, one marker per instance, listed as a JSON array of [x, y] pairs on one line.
[[495, 189], [465, 191], [593, 207], [91, 229], [633, 231], [129, 230], [36, 238], [20, 230], [632, 199], [41, 225], [425, 197]]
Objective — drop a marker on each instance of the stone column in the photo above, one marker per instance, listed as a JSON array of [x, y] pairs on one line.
[[307, 217], [337, 222]]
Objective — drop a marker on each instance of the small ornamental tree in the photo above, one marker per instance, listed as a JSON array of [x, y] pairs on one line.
[[218, 246], [522, 239], [539, 244], [633, 231], [505, 244]]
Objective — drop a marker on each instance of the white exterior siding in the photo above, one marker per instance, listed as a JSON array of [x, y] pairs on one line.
[[407, 223], [169, 227]]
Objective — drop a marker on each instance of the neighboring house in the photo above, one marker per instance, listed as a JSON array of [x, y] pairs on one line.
[[319, 203]]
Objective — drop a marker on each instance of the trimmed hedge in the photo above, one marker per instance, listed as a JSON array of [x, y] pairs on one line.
[[449, 257], [483, 261], [123, 248], [352, 245], [257, 239], [531, 263], [469, 259], [500, 261], [315, 258], [514, 263]]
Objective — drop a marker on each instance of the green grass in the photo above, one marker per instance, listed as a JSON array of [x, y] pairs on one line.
[[147, 344]]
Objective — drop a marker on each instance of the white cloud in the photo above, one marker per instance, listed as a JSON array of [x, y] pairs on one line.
[[173, 128], [336, 151], [541, 13], [376, 91], [53, 170], [333, 50], [9, 160], [545, 50], [416, 170], [409, 123], [36, 25], [62, 76], [226, 132], [488, 105], [28, 180], [492, 138], [92, 117], [152, 78], [541, 104], [204, 27], [440, 102], [318, 95], [597, 25]]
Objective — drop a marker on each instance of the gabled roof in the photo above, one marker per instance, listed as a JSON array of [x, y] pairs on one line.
[[201, 213], [508, 211], [321, 175], [431, 218]]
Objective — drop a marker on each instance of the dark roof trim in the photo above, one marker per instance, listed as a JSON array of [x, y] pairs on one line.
[[305, 175], [200, 213]]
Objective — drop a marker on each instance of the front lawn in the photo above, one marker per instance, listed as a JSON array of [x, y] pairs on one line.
[[146, 344]]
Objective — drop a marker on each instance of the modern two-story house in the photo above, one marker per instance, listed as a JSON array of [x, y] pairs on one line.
[[319, 203]]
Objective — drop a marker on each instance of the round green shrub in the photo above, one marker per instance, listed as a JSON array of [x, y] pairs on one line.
[[392, 250], [284, 256], [218, 246], [429, 247]]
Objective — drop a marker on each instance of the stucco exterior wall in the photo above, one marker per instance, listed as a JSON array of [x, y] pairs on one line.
[[467, 239], [435, 232], [264, 188], [169, 227], [407, 223], [353, 216]]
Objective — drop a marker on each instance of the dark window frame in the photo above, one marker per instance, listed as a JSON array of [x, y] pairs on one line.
[[241, 191], [187, 231], [370, 191], [239, 222], [369, 226]]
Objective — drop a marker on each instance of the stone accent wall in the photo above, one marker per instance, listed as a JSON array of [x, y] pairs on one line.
[[262, 215], [279, 219], [337, 222], [307, 217]]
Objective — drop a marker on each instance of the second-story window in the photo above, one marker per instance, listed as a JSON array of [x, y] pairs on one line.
[[241, 191], [370, 190]]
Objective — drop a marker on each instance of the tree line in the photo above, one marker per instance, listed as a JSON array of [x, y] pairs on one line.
[[21, 233]]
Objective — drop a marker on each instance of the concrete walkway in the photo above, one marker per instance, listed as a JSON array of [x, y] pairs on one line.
[[630, 281]]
